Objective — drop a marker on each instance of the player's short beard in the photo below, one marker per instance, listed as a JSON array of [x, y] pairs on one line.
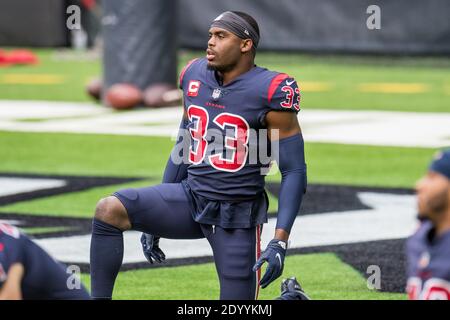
[[438, 205], [221, 68]]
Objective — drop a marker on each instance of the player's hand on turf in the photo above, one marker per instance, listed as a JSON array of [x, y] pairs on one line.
[[274, 256], [150, 246]]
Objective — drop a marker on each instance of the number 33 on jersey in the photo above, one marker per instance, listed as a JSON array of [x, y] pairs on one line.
[[235, 110], [239, 106]]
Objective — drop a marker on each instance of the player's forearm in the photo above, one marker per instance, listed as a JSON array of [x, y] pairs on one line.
[[174, 173], [290, 199], [177, 164], [281, 234], [293, 183]]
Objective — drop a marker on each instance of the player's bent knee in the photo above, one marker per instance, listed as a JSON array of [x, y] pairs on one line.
[[112, 211]]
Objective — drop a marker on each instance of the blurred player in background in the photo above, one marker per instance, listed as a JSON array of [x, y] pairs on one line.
[[216, 192], [428, 250], [28, 272]]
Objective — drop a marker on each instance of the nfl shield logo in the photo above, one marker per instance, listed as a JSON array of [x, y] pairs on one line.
[[424, 260], [216, 94]]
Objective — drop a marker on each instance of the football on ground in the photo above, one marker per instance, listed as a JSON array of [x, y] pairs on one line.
[[123, 96]]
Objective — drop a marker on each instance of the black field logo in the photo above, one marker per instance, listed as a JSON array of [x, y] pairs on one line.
[[356, 223]]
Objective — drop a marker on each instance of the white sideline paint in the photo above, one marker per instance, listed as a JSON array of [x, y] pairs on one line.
[[15, 185], [16, 223], [392, 217], [14, 110], [381, 128]]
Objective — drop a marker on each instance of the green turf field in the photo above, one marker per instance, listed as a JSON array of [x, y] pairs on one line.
[[331, 83], [76, 154], [327, 82], [323, 276]]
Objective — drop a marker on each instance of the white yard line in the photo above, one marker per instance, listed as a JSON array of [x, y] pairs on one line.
[[380, 128], [15, 185]]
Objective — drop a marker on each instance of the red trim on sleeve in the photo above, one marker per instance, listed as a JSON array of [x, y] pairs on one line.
[[274, 84], [184, 71]]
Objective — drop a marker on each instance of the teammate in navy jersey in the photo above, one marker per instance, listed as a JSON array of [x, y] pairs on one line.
[[28, 272], [213, 184], [428, 250]]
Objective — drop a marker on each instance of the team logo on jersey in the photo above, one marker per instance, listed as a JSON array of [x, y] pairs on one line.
[[216, 94], [194, 86]]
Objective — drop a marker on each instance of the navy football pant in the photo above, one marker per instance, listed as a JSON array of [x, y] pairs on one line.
[[164, 210]]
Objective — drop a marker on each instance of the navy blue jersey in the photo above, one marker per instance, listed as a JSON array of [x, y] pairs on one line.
[[428, 264], [44, 278], [224, 122]]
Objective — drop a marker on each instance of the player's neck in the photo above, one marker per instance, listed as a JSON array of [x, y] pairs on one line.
[[241, 68], [443, 225]]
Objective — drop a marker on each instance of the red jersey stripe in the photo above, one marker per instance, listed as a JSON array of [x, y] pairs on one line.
[[274, 85], [184, 70]]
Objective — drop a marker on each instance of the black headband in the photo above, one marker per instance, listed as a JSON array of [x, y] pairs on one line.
[[236, 25], [441, 163]]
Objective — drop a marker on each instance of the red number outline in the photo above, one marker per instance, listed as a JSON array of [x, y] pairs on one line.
[[297, 104], [432, 289], [237, 143], [200, 114], [289, 97], [240, 138]]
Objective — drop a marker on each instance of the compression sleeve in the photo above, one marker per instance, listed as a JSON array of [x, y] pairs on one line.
[[178, 163], [291, 162]]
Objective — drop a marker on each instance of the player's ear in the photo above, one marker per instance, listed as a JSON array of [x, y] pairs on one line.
[[246, 45]]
